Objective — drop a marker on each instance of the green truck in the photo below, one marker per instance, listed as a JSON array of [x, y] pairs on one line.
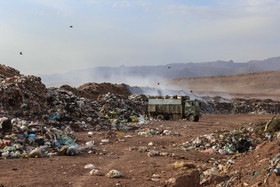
[[173, 107]]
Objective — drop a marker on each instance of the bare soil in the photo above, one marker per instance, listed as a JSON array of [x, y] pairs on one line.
[[262, 85], [122, 153]]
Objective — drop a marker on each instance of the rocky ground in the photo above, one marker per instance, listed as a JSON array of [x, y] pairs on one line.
[[129, 152]]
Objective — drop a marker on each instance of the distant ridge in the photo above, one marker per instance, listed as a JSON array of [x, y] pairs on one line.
[[145, 75]]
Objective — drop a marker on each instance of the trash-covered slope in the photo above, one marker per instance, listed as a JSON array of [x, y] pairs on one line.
[[253, 155], [6, 71], [23, 96]]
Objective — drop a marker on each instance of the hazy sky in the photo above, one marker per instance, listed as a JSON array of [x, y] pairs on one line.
[[140, 32]]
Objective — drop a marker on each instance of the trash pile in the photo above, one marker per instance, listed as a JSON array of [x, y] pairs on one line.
[[93, 90], [122, 107], [240, 146], [66, 108], [237, 141], [107, 112], [220, 105], [22, 139], [22, 96], [27, 98], [6, 71], [257, 106], [224, 142], [217, 105], [256, 168]]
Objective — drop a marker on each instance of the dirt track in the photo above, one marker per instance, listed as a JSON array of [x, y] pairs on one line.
[[122, 154]]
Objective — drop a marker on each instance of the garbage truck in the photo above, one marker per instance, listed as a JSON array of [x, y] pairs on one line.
[[173, 107]]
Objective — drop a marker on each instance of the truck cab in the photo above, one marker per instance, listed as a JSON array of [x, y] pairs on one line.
[[192, 110]]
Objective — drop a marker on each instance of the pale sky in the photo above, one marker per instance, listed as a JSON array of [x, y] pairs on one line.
[[139, 32]]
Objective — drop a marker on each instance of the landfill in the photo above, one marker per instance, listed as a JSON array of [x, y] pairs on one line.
[[37, 121], [52, 133], [40, 122], [49, 116]]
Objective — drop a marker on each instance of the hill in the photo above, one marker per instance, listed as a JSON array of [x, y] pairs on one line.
[[260, 85], [145, 75]]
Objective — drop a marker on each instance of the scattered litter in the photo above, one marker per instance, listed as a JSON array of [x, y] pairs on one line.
[[89, 166], [95, 172], [113, 174]]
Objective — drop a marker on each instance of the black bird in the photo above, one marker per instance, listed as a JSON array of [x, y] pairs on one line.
[[20, 53], [158, 83], [71, 26], [169, 67]]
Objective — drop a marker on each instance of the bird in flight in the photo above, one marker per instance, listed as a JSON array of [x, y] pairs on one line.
[[71, 26], [21, 53]]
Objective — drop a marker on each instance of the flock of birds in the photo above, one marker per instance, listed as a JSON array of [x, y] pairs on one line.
[[71, 26], [21, 53]]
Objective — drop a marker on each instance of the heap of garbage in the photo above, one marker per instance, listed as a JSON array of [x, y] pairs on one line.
[[93, 90], [33, 117], [22, 96], [36, 121], [240, 170], [221, 105], [89, 106], [6, 71], [237, 141], [23, 139], [258, 106], [223, 142], [122, 107], [107, 112]]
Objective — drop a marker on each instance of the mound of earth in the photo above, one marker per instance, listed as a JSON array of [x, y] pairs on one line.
[[93, 90], [6, 71]]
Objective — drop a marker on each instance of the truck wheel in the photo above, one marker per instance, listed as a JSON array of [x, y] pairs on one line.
[[160, 117], [196, 118], [166, 117], [191, 117]]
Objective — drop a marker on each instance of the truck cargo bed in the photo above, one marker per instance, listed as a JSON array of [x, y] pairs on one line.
[[168, 109]]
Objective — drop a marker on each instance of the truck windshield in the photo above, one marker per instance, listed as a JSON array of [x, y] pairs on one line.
[[189, 103]]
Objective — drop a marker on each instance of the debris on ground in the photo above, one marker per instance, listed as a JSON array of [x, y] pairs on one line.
[[240, 143], [22, 139], [113, 174], [224, 142]]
